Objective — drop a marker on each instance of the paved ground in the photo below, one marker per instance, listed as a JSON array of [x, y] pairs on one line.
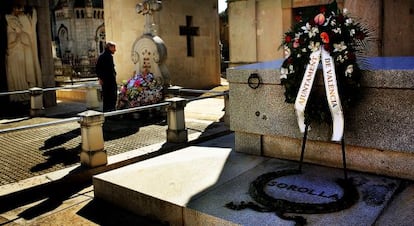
[[50, 148], [47, 149], [32, 188]]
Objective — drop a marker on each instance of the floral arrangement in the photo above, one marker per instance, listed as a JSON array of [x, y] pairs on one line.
[[337, 33], [141, 89]]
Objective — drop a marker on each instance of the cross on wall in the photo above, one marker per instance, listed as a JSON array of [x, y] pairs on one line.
[[189, 31]]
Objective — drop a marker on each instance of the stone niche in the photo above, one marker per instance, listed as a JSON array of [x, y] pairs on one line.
[[379, 131]]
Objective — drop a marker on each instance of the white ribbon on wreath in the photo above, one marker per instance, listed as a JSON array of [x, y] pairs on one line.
[[331, 89]]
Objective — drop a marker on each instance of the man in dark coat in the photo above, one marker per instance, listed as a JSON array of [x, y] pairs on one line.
[[105, 69]]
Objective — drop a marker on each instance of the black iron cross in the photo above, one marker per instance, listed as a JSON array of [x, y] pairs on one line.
[[189, 31]]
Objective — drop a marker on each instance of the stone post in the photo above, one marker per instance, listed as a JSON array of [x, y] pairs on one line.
[[36, 102], [93, 153], [92, 101], [176, 132], [173, 91]]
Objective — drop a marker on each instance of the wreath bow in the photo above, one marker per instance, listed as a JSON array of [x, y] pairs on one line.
[[331, 89]]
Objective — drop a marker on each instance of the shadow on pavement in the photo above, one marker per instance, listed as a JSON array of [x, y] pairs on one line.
[[54, 193], [103, 213], [113, 128], [54, 200], [57, 156], [60, 139]]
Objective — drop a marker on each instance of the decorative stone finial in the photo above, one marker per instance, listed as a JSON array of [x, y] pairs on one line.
[[146, 8]]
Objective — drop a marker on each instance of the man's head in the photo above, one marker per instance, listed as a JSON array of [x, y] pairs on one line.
[[111, 46]]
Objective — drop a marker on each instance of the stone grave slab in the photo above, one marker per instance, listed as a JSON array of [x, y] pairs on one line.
[[192, 187], [315, 185]]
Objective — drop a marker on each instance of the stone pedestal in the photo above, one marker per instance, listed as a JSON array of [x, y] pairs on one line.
[[176, 132], [93, 153], [378, 130], [36, 102], [92, 100]]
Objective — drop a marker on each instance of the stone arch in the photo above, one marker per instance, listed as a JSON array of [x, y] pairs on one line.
[[100, 38], [63, 34]]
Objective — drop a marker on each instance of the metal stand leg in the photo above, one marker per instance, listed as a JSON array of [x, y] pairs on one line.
[[344, 158], [305, 137]]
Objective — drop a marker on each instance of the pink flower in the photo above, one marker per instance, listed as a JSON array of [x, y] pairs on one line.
[[319, 19], [296, 43]]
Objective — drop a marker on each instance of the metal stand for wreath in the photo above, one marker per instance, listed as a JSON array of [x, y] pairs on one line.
[[305, 137]]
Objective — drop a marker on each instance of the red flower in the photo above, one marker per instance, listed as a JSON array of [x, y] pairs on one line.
[[351, 56], [298, 18], [324, 37], [288, 39], [360, 35], [341, 19], [137, 83], [322, 9]]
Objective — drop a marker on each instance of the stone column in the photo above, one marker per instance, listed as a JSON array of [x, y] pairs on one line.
[[176, 132], [44, 36], [36, 102], [93, 153]]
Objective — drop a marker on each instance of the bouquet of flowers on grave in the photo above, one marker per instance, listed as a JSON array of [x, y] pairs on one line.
[[141, 89], [332, 37]]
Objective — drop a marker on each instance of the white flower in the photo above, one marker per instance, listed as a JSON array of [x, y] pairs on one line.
[[349, 70], [348, 22], [346, 55], [339, 47], [298, 56], [297, 35], [304, 50], [306, 28], [286, 51], [345, 11], [314, 46], [313, 32], [352, 32], [291, 69], [337, 30], [283, 73], [340, 59], [333, 22]]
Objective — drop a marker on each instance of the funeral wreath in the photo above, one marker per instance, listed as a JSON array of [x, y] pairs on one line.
[[332, 37]]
